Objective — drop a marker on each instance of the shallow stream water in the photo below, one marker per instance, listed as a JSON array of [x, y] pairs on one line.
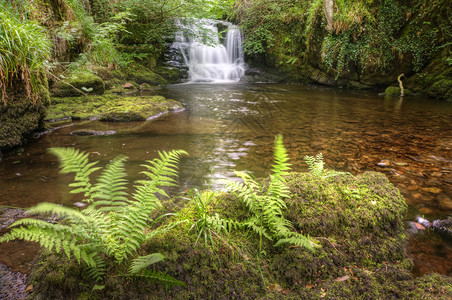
[[232, 127]]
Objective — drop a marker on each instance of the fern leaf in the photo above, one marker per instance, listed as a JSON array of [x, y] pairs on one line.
[[111, 185], [75, 161], [142, 262], [163, 278], [61, 211], [297, 240], [281, 158]]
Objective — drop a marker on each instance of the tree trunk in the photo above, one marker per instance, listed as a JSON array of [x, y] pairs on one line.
[[328, 8]]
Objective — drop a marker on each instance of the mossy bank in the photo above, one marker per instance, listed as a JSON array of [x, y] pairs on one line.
[[357, 221]]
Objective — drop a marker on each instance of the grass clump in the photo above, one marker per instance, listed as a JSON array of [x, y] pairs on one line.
[[24, 51]]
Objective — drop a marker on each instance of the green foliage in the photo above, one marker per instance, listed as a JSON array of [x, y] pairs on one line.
[[112, 225], [266, 202], [316, 167], [375, 35], [24, 50], [207, 226]]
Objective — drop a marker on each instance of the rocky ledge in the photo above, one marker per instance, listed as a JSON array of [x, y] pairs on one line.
[[111, 108]]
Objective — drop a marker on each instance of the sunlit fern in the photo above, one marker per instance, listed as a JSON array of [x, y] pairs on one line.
[[112, 224], [316, 167], [266, 202]]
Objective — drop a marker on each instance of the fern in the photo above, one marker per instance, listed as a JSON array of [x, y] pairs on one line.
[[266, 202], [114, 224], [317, 167], [139, 267]]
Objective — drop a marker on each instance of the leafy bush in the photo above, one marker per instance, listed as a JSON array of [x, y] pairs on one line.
[[112, 225]]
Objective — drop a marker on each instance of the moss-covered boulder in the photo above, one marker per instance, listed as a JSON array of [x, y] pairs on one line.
[[172, 75], [139, 74], [110, 107], [394, 91], [78, 84], [357, 221], [138, 108], [442, 88], [435, 80], [19, 116]]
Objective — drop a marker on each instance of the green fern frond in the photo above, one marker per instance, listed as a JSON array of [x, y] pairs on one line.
[[58, 210], [298, 240], [142, 262], [100, 269], [165, 279], [315, 164], [112, 225], [281, 158], [109, 191], [75, 161]]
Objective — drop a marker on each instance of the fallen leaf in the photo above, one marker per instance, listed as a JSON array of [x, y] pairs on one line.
[[275, 287], [308, 286], [419, 226], [343, 278], [29, 288]]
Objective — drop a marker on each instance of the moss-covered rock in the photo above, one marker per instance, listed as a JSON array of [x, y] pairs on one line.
[[84, 83], [20, 116], [172, 75], [442, 88], [139, 74], [358, 221], [111, 107], [394, 91]]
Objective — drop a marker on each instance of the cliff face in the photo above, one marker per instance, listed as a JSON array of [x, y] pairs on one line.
[[354, 44]]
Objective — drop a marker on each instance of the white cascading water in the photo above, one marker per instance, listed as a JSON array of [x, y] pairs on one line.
[[213, 60]]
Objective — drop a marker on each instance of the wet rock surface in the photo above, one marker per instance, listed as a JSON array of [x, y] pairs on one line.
[[87, 132]]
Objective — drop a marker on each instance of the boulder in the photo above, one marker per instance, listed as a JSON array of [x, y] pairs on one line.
[[79, 84]]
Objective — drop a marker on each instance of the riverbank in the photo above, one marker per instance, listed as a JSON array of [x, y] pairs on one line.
[[356, 221]]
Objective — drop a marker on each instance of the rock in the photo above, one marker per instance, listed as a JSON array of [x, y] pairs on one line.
[[433, 190], [20, 117], [85, 82], [384, 163], [445, 202], [355, 85], [139, 109], [128, 86], [146, 87], [394, 91], [83, 132], [412, 188]]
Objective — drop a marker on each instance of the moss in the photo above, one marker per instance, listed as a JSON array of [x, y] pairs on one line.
[[139, 74], [442, 88], [20, 117], [394, 91], [172, 75], [110, 107], [357, 220], [83, 81]]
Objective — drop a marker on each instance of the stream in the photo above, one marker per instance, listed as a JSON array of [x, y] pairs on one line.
[[231, 127]]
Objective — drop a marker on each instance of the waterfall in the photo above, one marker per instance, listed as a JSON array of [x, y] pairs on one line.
[[208, 55]]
